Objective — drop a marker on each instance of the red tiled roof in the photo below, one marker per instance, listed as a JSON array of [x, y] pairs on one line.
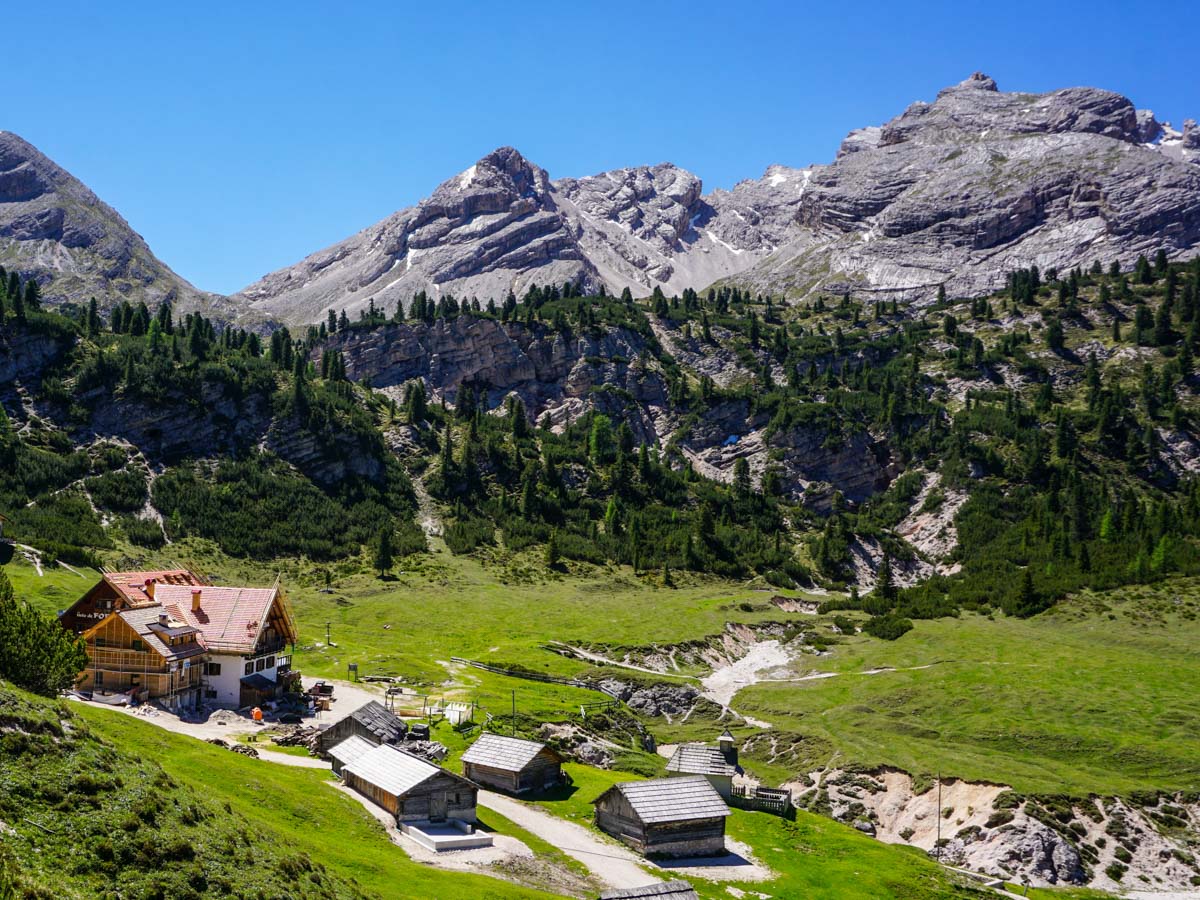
[[230, 618], [132, 585]]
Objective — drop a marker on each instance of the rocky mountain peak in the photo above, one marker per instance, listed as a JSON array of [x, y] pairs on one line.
[[954, 191], [503, 169], [978, 82], [25, 172], [976, 109], [54, 229], [652, 203]]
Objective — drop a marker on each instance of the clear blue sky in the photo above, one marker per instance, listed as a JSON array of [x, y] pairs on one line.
[[237, 138]]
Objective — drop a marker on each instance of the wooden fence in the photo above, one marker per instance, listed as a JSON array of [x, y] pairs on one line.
[[763, 799]]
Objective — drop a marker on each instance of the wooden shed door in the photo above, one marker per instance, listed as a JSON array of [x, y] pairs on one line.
[[437, 806]]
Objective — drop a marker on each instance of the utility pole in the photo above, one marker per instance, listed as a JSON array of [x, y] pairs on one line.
[[327, 641], [514, 714], [937, 848]]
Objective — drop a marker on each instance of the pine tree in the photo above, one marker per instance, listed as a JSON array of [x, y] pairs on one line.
[[552, 557], [885, 587], [1163, 334], [1160, 262], [1142, 271], [18, 302], [1027, 599], [39, 654], [383, 558]]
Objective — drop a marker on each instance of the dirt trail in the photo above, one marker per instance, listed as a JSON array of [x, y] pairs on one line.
[[230, 725], [612, 864], [427, 512], [605, 661]]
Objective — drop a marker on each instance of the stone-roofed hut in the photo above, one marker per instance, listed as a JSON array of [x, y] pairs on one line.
[[371, 721], [511, 764], [348, 751], [672, 817], [717, 764], [410, 788]]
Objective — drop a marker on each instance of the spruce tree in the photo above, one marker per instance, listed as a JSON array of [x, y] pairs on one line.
[[884, 585], [383, 558], [18, 303]]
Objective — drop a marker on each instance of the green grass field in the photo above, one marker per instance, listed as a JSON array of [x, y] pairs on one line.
[[813, 856], [1100, 694]]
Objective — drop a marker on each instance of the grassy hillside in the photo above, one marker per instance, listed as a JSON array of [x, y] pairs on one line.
[[168, 816], [813, 856], [104, 805], [1098, 695]]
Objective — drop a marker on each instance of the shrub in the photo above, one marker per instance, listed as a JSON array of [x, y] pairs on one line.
[[887, 627]]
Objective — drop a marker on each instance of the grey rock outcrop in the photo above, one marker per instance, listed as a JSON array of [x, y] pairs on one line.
[[652, 699], [54, 229], [979, 182], [557, 374], [957, 192], [502, 226]]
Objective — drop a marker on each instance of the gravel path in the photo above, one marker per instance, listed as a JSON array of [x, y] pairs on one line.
[[612, 864], [229, 725]]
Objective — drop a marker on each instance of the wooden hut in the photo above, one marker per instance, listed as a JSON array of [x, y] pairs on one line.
[[511, 764], [697, 759], [371, 721], [672, 817], [663, 890], [410, 788], [348, 751]]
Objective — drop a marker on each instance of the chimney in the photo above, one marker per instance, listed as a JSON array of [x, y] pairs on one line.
[[149, 588], [728, 750], [195, 599], [162, 619]]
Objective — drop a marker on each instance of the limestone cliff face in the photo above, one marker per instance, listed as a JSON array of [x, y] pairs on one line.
[[216, 422], [25, 356], [962, 190], [616, 371]]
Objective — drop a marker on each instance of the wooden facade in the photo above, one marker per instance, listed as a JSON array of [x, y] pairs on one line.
[[124, 657], [411, 789], [371, 721], [670, 817], [512, 765]]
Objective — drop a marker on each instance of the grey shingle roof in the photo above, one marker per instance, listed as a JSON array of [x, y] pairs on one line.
[[378, 721], [351, 749], [145, 622], [499, 752], [671, 890], [673, 799], [696, 759], [391, 770]]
